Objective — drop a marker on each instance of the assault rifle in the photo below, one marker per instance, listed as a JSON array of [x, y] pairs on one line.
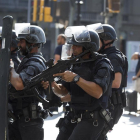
[[47, 75]]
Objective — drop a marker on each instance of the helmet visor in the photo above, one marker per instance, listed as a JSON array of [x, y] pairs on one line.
[[80, 33], [96, 27], [66, 51], [22, 28]]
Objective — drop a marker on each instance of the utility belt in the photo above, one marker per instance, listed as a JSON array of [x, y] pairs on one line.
[[90, 115], [93, 115], [32, 112], [78, 116], [118, 98]]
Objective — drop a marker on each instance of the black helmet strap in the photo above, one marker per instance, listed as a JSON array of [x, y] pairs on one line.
[[104, 45], [30, 47]]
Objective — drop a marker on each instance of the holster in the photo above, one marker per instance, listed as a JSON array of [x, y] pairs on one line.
[[123, 96], [118, 98], [114, 98], [106, 116], [104, 132], [59, 124]]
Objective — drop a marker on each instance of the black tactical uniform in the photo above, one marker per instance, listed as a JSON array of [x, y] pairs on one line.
[[30, 66], [84, 120], [115, 56], [28, 121], [120, 65]]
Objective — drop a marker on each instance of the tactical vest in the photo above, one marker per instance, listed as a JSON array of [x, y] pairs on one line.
[[20, 103], [26, 62], [124, 66], [82, 100]]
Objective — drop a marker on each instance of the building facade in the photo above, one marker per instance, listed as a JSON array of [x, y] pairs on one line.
[[65, 12]]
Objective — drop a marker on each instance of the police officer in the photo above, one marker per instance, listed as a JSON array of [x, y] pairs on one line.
[[28, 123], [86, 87], [120, 65]]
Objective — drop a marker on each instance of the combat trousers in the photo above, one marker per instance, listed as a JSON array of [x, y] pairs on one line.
[[85, 130], [117, 113], [21, 130], [66, 127]]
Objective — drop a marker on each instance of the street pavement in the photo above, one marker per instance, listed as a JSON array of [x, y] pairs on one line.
[[128, 127]]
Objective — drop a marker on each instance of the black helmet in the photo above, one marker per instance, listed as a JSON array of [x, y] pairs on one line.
[[32, 34], [14, 39], [92, 44], [109, 33]]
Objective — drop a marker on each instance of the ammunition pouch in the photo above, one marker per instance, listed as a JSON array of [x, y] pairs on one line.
[[123, 96], [118, 98], [35, 111], [32, 112]]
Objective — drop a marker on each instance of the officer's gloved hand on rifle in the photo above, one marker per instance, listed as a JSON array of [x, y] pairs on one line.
[[45, 85], [54, 102]]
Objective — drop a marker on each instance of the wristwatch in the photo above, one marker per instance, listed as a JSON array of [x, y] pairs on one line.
[[76, 78]]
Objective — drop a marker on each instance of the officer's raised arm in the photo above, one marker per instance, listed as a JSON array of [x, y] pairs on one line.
[[15, 79]]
